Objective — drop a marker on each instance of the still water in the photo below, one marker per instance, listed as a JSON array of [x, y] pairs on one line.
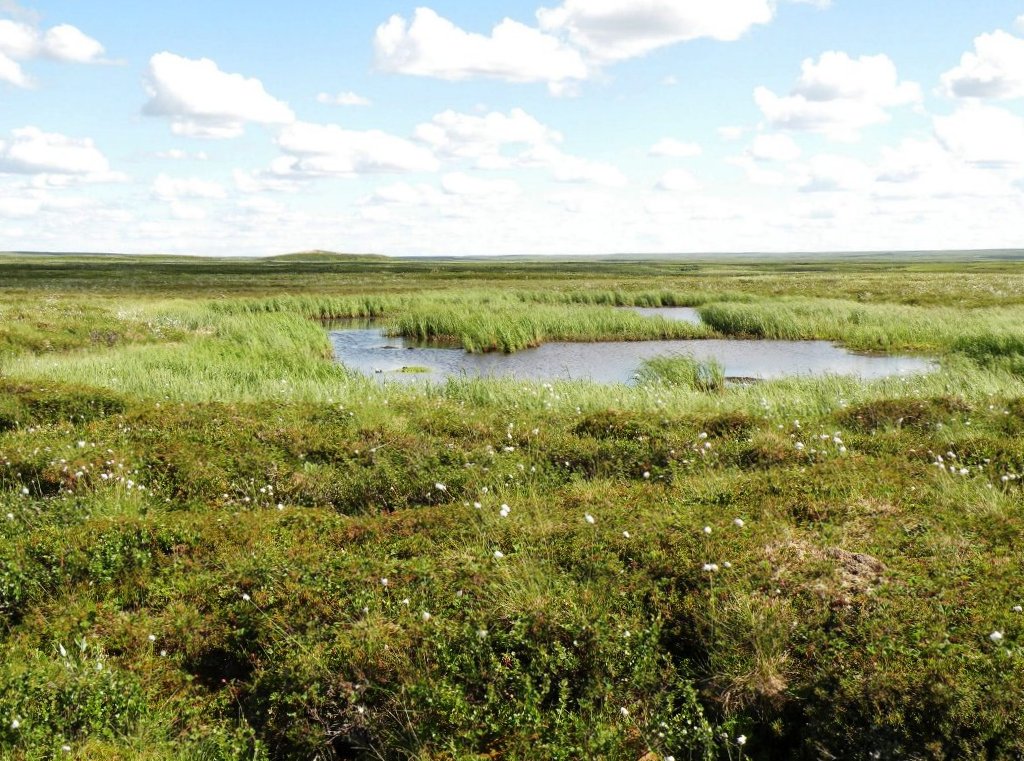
[[370, 351]]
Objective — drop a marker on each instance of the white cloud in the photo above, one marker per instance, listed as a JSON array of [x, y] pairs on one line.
[[839, 96], [20, 41], [983, 135], [757, 174], [828, 173], [461, 184], [343, 99], [32, 151], [678, 181], [774, 148], [68, 43], [731, 134], [432, 46], [166, 188], [924, 168], [263, 182], [994, 70], [203, 101], [614, 30], [1020, 23], [19, 208], [176, 154], [187, 212], [574, 169], [12, 73], [482, 138], [328, 150], [405, 194], [676, 149]]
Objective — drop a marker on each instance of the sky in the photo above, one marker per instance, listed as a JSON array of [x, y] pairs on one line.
[[466, 128]]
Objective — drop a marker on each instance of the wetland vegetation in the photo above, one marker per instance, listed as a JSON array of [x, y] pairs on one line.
[[216, 542]]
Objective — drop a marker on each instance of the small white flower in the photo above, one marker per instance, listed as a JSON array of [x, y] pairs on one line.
[[739, 523], [1018, 609], [440, 487], [81, 445], [589, 519], [24, 491], [406, 601], [707, 530], [15, 724], [727, 564], [741, 740], [245, 596], [711, 567], [670, 758], [426, 616], [624, 711], [498, 554], [996, 637], [647, 474], [151, 638], [163, 653], [384, 582], [481, 633], [10, 516], [66, 748], [477, 505], [505, 510], [627, 535]]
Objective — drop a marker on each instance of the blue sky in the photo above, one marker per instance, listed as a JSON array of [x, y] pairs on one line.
[[580, 126]]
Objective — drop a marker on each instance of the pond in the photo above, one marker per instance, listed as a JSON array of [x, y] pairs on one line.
[[370, 351]]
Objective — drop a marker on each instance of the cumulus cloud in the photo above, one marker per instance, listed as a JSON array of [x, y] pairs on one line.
[[731, 134], [994, 70], [515, 140], [324, 150], [615, 30], [176, 154], [565, 167], [203, 101], [21, 41], [675, 149], [774, 148], [166, 188], [983, 135], [432, 46], [827, 173], [483, 138], [677, 181], [29, 150], [839, 96], [924, 168], [343, 99], [461, 184], [405, 194]]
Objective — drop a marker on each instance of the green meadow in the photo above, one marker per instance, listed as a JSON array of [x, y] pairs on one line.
[[216, 542]]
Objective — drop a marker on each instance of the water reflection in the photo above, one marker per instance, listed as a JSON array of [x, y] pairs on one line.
[[368, 350]]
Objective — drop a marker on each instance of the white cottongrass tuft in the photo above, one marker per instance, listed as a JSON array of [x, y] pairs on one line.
[[996, 637]]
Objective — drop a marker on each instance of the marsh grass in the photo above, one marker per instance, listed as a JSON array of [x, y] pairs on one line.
[[227, 572], [685, 372]]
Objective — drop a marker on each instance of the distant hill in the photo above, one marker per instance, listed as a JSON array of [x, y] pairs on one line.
[[326, 256]]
